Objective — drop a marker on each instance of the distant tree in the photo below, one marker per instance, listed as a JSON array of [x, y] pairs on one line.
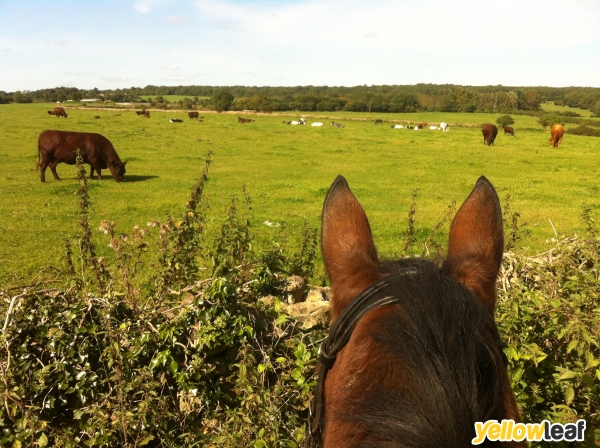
[[187, 103], [159, 100], [547, 120], [532, 99], [61, 97], [222, 100], [449, 103], [597, 109], [505, 120], [76, 96], [403, 102]]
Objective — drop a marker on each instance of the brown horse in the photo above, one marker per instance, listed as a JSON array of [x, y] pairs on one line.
[[418, 360]]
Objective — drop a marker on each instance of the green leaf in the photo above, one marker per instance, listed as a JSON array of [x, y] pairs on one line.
[[567, 375], [572, 345], [146, 440], [43, 440], [569, 395]]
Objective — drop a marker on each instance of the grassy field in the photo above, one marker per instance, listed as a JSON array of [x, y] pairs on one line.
[[287, 171], [551, 107]]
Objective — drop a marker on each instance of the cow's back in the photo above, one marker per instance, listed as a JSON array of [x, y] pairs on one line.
[[62, 145]]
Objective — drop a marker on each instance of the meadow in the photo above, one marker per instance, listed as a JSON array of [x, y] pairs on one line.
[[549, 106], [287, 171]]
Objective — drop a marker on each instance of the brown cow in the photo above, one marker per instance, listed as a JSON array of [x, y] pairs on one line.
[[140, 112], [244, 120], [97, 117], [56, 147], [60, 112], [378, 121], [509, 130], [557, 132], [193, 115], [489, 131], [147, 113], [423, 125]]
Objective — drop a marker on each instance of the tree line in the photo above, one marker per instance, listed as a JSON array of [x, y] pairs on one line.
[[383, 98]]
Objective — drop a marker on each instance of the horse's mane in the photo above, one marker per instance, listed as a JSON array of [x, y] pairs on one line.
[[445, 343]]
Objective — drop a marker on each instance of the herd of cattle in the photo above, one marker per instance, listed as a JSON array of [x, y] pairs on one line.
[[56, 147]]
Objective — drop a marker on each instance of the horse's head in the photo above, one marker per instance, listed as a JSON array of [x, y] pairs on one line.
[[437, 344]]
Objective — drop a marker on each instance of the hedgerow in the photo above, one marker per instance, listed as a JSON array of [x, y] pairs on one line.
[[194, 362], [190, 355]]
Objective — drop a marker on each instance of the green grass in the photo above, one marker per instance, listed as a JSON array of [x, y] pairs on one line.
[[287, 170], [551, 107]]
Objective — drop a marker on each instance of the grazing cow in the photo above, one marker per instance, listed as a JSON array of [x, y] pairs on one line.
[[423, 125], [337, 125], [397, 126], [176, 120], [147, 113], [60, 112], [141, 112], [489, 131], [444, 127], [56, 147], [557, 132], [97, 117], [50, 112], [318, 123], [244, 120], [378, 121], [193, 115], [508, 130]]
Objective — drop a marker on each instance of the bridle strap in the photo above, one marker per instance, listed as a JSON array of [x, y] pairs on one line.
[[339, 334]]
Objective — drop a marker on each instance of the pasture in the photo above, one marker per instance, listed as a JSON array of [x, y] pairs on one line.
[[549, 106], [287, 171]]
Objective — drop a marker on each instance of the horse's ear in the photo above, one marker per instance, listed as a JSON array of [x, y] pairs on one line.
[[347, 245], [476, 243]]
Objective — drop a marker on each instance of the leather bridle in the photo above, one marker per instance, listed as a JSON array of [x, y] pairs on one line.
[[339, 334], [370, 299]]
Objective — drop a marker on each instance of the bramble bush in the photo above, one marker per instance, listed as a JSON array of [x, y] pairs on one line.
[[191, 357]]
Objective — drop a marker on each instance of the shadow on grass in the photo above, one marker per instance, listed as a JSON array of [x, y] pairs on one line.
[[134, 178]]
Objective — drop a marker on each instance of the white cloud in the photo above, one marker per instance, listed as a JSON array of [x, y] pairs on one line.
[[176, 19], [467, 25], [175, 78], [115, 79], [145, 6], [60, 43], [170, 67]]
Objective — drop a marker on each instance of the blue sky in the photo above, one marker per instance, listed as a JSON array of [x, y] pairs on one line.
[[117, 44]]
